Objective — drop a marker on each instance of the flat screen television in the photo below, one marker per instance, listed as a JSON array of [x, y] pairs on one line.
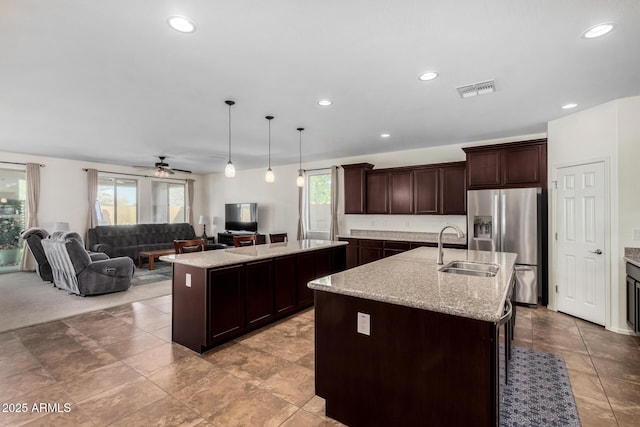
[[241, 217]]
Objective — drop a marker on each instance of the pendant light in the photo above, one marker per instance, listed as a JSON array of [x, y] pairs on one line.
[[300, 180], [269, 177], [230, 170]]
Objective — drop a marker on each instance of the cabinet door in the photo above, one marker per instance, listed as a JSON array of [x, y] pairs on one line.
[[631, 302], [370, 250], [453, 194], [401, 192], [377, 193], [637, 308], [426, 190], [284, 278], [352, 252], [306, 273], [521, 165], [355, 188], [226, 303], [483, 169], [259, 293]]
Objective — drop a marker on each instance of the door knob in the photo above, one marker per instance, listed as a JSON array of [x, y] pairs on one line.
[[597, 252]]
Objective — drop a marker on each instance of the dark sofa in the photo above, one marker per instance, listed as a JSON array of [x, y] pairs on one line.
[[129, 240]]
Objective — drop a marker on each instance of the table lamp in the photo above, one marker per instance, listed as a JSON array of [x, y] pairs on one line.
[[204, 220], [61, 226]]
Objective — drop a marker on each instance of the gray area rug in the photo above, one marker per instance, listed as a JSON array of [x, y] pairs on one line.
[[538, 393], [143, 276]]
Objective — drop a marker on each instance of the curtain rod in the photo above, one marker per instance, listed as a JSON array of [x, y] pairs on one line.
[[317, 169], [17, 163], [136, 174]]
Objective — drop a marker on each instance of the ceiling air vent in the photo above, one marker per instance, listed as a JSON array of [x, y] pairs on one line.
[[481, 88]]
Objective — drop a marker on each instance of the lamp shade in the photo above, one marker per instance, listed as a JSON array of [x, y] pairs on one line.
[[61, 226], [204, 219]]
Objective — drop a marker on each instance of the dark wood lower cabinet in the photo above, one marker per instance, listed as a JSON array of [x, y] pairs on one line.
[[284, 280], [226, 302], [259, 292], [212, 306], [416, 368]]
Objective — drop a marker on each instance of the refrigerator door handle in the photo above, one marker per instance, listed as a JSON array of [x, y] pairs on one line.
[[503, 220], [496, 239]]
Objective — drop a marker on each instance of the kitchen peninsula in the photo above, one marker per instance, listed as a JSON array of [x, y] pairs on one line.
[[400, 343], [219, 295]]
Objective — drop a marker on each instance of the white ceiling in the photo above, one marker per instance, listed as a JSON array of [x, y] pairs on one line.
[[110, 81]]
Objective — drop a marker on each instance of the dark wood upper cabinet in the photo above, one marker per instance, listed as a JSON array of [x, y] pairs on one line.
[[511, 165], [377, 192], [401, 192], [355, 187], [453, 193], [483, 168], [426, 190]]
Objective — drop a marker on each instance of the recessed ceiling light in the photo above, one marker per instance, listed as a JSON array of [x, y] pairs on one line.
[[598, 30], [182, 24], [429, 75], [385, 135], [569, 106], [325, 102]]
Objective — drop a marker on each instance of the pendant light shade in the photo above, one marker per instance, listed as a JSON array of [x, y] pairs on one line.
[[269, 177], [300, 180], [230, 170]]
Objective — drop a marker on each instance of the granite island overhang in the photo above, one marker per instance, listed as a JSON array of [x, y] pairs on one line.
[[222, 294], [400, 342]]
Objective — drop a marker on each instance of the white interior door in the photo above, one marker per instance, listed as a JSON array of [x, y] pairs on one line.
[[581, 236]]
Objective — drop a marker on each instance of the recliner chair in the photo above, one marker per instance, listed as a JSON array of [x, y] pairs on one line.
[[74, 270], [33, 237]]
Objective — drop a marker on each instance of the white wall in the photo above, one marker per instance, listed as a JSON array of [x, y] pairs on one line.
[[64, 191], [278, 202], [609, 132]]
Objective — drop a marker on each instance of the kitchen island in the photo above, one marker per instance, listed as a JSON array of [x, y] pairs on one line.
[[400, 343], [222, 294]]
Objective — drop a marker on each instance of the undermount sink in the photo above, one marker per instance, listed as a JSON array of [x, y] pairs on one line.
[[469, 268]]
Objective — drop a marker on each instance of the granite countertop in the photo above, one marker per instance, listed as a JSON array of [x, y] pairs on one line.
[[405, 236], [412, 279], [224, 257], [632, 255]]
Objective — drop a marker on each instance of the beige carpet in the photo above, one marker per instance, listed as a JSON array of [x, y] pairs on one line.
[[26, 300]]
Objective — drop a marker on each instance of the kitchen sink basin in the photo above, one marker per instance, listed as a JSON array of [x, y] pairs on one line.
[[469, 268]]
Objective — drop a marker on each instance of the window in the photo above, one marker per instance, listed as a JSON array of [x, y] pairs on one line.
[[318, 202], [168, 201], [117, 201], [13, 191]]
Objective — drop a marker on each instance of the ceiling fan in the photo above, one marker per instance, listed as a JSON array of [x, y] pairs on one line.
[[162, 169]]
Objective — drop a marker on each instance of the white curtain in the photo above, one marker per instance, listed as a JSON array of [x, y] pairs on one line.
[[333, 228], [27, 263], [190, 196], [92, 187], [300, 225]]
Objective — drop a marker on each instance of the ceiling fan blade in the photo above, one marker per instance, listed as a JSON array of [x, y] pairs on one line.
[[181, 170], [144, 167]]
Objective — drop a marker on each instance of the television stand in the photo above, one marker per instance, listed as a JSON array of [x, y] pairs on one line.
[[227, 237]]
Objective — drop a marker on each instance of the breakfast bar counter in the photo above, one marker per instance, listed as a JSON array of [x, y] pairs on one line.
[[222, 294], [399, 342]]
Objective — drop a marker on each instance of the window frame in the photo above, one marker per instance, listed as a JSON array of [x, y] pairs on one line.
[[168, 205], [115, 178], [317, 234]]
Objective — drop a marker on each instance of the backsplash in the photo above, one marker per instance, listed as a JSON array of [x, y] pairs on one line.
[[632, 252], [408, 236], [400, 223]]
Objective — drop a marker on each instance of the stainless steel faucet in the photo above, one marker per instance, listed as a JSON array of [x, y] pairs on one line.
[[460, 235]]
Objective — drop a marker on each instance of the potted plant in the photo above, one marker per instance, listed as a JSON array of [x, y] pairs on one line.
[[10, 228]]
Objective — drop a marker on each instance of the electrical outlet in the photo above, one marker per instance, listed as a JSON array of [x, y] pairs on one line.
[[364, 324], [188, 280], [636, 234]]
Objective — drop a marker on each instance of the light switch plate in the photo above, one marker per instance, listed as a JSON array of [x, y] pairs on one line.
[[364, 324], [188, 280], [636, 234]]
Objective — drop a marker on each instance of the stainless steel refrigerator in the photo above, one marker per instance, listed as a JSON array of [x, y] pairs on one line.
[[509, 220]]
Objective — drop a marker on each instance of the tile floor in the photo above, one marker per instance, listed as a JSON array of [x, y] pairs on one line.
[[118, 367]]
